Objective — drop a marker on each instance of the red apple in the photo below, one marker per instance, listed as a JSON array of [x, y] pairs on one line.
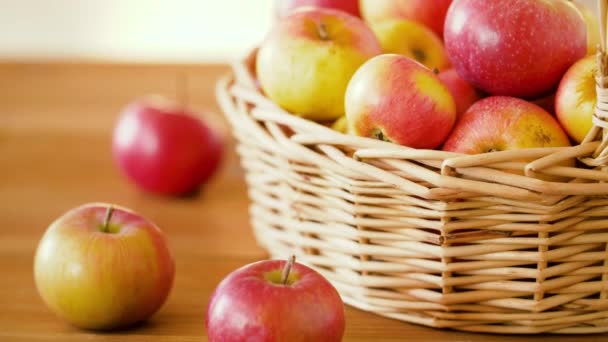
[[283, 7], [101, 267], [463, 93], [499, 123], [274, 300], [430, 13], [517, 48], [165, 148], [394, 98], [576, 98]]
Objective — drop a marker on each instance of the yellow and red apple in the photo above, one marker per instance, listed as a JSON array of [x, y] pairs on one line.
[[576, 98], [306, 61], [394, 98], [430, 13], [272, 300], [101, 267], [463, 93], [411, 39], [516, 48], [499, 123]]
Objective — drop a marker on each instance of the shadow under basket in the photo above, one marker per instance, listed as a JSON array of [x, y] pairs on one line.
[[511, 242]]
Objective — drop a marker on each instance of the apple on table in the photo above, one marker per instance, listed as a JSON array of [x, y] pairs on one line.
[[102, 266], [165, 148], [275, 300], [306, 61], [394, 98], [517, 48]]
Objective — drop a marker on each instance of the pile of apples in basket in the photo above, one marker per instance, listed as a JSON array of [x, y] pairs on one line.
[[468, 76]]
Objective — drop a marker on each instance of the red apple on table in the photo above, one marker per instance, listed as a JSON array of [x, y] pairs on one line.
[[430, 13], [283, 7], [306, 61], [517, 48], [394, 98], [275, 300], [576, 98], [463, 93], [165, 148], [101, 267], [499, 123]]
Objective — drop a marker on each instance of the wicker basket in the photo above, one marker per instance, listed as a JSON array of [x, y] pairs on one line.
[[469, 242]]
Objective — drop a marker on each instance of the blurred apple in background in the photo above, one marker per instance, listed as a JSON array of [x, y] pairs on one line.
[[274, 300], [519, 48], [413, 40], [576, 98], [394, 98], [102, 267], [593, 28], [463, 93], [430, 13], [306, 61], [499, 123], [283, 7], [165, 148]]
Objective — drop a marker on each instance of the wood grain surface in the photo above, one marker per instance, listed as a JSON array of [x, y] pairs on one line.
[[55, 131]]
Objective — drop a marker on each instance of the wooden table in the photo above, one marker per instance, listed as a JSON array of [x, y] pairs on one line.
[[55, 128]]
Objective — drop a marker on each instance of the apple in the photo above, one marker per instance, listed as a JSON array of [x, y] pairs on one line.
[[463, 93], [430, 13], [102, 266], [274, 300], [283, 7], [575, 99], [411, 39], [517, 48], [306, 61], [165, 148], [593, 28], [340, 125], [499, 123], [394, 98]]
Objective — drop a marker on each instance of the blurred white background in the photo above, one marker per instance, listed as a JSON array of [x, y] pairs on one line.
[[189, 31]]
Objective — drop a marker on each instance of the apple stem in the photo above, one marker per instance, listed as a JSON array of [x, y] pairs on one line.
[[105, 226], [287, 269], [323, 31]]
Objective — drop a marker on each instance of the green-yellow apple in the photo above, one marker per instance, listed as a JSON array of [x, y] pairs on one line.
[[463, 93], [411, 39], [340, 125], [100, 266], [500, 123], [575, 99], [272, 301], [283, 7], [430, 13], [306, 61], [593, 28], [394, 98], [517, 48]]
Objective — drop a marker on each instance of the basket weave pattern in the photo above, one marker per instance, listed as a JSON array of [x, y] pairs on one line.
[[503, 242]]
